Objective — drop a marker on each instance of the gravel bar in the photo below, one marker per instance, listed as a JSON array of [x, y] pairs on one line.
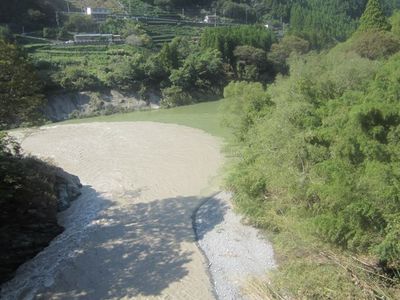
[[235, 252]]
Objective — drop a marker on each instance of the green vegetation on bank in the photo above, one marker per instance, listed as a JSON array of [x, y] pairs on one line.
[[318, 167], [20, 93]]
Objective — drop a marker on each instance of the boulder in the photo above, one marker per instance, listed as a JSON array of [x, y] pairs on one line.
[[68, 189]]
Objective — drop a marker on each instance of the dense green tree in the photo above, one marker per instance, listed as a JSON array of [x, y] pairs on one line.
[[77, 79], [287, 46], [242, 12], [322, 23], [251, 63], [226, 39], [375, 44], [20, 92], [374, 18], [128, 73], [201, 72], [201, 76]]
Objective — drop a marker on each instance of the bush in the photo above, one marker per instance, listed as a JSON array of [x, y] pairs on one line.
[[326, 151], [252, 64], [375, 44], [20, 90], [127, 74], [77, 79], [175, 96], [28, 206], [201, 72], [226, 39], [280, 52]]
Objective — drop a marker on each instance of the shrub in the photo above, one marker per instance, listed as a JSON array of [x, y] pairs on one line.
[[175, 96], [127, 73], [280, 52], [28, 205], [375, 44], [226, 39], [200, 72], [20, 90], [77, 79], [327, 150], [251, 63]]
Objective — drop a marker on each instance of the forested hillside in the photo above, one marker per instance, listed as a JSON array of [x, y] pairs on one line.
[[322, 23]]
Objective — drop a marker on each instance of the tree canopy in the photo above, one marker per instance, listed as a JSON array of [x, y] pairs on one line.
[[374, 18], [20, 94]]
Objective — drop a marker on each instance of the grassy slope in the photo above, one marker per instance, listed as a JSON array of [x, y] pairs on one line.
[[204, 116]]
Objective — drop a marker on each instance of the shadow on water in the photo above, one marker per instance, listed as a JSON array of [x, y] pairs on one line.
[[132, 250]]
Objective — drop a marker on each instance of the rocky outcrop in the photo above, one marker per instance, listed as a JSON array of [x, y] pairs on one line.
[[65, 106], [28, 221], [68, 189]]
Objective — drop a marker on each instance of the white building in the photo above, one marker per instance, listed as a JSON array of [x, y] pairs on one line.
[[99, 14], [211, 19]]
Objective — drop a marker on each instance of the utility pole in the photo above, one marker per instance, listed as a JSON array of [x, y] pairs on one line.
[[57, 19], [68, 7]]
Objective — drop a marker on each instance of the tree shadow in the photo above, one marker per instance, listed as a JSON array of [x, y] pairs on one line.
[[209, 215], [132, 250]]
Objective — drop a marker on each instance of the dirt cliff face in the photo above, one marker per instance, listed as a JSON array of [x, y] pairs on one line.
[[28, 209], [65, 106]]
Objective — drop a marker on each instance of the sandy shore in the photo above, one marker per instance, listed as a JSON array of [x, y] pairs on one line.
[[130, 235]]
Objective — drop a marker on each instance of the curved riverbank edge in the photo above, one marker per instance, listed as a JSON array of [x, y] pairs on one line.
[[235, 252]]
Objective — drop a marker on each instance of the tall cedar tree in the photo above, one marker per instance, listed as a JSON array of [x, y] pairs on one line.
[[374, 18]]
